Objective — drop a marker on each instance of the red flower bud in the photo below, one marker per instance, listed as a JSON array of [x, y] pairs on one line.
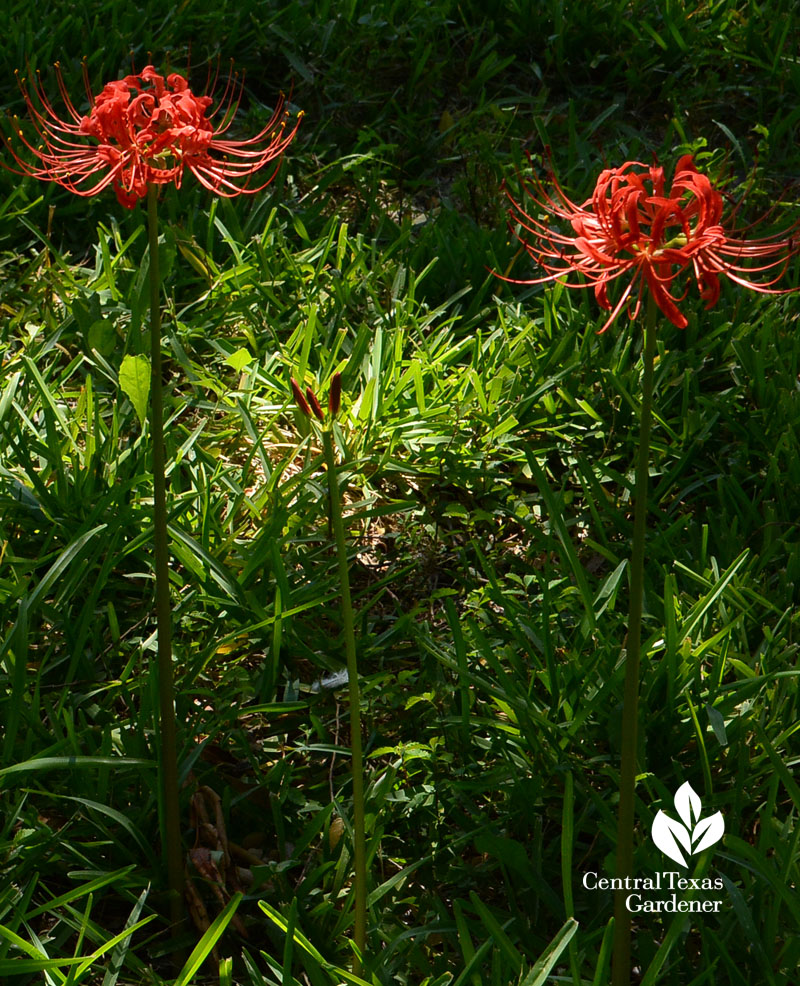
[[315, 407], [302, 403], [335, 394]]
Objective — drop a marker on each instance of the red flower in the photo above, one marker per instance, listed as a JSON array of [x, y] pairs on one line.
[[632, 228], [144, 130]]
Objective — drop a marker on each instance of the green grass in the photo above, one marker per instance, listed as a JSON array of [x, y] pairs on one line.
[[486, 438]]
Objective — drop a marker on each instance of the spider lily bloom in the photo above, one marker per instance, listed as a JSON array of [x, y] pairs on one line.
[[145, 130], [141, 132], [633, 230]]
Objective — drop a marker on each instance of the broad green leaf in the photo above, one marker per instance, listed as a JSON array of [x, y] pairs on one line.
[[103, 337], [134, 380], [239, 360]]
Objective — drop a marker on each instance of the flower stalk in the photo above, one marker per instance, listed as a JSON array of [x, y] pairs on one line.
[[359, 832], [167, 728], [310, 406], [630, 711]]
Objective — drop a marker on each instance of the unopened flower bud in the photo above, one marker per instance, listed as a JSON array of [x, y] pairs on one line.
[[335, 394], [315, 406], [302, 403]]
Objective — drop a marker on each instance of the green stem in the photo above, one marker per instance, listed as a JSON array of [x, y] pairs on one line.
[[359, 836], [171, 841], [630, 715]]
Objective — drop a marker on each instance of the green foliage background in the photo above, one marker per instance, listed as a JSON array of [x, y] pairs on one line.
[[488, 438]]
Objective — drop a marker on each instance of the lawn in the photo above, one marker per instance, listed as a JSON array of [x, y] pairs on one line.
[[485, 453]]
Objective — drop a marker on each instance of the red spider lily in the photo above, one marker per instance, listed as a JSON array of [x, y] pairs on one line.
[[145, 130], [632, 228]]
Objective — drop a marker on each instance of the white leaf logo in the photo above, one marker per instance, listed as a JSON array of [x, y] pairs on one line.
[[687, 803], [694, 835], [711, 829]]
